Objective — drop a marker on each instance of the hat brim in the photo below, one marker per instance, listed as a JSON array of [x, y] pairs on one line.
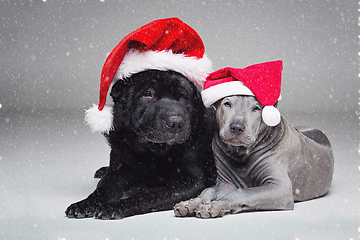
[[135, 61], [213, 94]]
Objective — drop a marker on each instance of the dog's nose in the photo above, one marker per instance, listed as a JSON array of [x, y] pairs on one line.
[[237, 128], [175, 123]]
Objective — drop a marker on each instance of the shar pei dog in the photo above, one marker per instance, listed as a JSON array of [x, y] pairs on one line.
[[262, 162], [158, 129]]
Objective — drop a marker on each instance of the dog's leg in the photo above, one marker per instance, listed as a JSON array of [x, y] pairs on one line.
[[101, 195], [149, 198], [274, 195], [110, 188], [189, 207]]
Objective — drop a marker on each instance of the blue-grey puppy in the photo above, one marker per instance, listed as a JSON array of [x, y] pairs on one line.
[[263, 163]]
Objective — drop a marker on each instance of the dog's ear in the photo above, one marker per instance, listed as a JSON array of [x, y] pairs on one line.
[[117, 89], [216, 104], [120, 92]]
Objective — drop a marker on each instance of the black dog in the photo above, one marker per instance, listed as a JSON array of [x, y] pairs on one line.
[[160, 148]]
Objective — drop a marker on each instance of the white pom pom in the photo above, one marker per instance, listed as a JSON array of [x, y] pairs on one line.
[[99, 121], [271, 116]]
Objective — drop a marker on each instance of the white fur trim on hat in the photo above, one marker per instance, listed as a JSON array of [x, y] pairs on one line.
[[135, 61], [217, 92], [99, 121]]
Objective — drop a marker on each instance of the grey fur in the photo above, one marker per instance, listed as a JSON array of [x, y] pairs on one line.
[[261, 167]]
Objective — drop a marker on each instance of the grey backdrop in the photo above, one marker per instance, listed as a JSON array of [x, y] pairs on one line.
[[52, 52]]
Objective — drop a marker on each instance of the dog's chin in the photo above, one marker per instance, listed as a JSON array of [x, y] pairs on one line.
[[238, 141]]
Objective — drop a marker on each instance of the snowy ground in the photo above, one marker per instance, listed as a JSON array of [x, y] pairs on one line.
[[48, 161]]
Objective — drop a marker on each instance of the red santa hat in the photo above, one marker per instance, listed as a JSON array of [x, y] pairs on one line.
[[165, 44], [260, 80]]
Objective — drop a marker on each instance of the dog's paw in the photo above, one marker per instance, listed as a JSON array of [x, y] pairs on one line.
[[186, 208], [181, 209], [210, 210], [108, 211], [82, 209]]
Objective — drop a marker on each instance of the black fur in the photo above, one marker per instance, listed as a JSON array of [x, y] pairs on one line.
[[160, 148]]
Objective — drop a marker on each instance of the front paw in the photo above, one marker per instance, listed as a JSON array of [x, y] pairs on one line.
[[108, 211], [186, 208], [211, 210], [181, 209], [82, 209]]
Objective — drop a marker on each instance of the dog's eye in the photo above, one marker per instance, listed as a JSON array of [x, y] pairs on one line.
[[148, 94], [227, 104], [256, 108]]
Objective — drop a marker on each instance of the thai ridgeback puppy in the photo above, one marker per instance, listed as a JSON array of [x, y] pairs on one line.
[[261, 167]]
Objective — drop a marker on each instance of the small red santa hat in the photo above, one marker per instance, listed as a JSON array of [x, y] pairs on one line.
[[260, 80], [165, 44]]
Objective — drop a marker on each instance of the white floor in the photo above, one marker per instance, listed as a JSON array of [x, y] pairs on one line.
[[48, 161]]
